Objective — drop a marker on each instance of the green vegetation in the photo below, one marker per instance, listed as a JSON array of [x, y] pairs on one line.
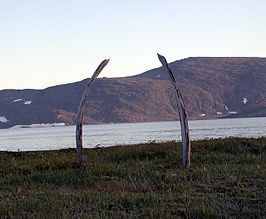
[[227, 178]]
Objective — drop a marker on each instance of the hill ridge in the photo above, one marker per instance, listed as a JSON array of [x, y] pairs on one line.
[[212, 88]]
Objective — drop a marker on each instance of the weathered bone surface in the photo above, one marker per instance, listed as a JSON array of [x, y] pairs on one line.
[[79, 142], [186, 147]]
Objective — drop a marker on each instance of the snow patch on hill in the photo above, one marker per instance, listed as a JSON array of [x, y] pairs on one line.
[[17, 100], [232, 112], [245, 100], [28, 102], [3, 119]]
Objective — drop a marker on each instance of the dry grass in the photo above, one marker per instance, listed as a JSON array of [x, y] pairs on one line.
[[227, 178]]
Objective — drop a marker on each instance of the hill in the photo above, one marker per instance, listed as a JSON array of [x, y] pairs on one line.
[[212, 88]]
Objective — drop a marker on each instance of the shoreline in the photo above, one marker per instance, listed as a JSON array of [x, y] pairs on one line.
[[62, 124], [129, 145]]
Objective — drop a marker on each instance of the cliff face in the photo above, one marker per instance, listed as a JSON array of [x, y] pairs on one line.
[[212, 88]]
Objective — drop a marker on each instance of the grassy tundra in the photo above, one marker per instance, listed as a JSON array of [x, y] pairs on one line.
[[227, 178]]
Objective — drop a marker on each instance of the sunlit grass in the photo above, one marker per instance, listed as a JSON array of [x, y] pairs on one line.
[[227, 178]]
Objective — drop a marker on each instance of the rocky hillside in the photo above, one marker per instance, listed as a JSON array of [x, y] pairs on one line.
[[212, 88]]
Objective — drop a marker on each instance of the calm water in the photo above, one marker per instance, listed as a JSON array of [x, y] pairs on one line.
[[25, 139]]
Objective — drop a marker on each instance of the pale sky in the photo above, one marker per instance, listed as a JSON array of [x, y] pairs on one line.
[[50, 42]]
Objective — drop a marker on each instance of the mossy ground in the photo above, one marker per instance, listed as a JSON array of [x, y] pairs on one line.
[[227, 178]]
